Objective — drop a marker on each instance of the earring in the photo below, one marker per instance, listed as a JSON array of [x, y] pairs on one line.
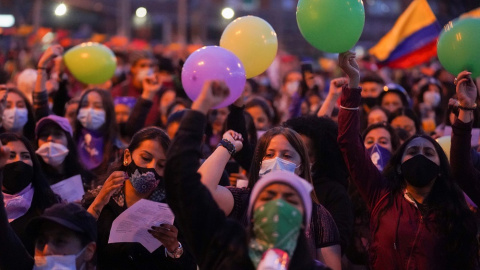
[[125, 163]]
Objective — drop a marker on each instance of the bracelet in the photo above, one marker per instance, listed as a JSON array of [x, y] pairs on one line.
[[349, 109], [468, 108], [228, 145], [176, 253]]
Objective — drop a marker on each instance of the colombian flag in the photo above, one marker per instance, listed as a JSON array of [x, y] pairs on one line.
[[412, 40]]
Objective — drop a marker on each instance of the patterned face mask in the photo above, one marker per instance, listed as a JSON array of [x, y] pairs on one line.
[[276, 224], [379, 155], [144, 180]]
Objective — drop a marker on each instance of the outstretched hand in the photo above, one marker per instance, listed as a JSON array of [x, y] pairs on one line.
[[52, 52], [466, 89], [213, 93], [349, 65]]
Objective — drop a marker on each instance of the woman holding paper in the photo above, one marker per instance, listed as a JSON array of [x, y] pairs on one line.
[[138, 176], [58, 155]]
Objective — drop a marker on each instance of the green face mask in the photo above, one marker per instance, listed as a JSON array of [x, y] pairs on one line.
[[276, 224]]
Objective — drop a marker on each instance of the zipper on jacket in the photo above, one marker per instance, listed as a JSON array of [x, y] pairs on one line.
[[415, 240]]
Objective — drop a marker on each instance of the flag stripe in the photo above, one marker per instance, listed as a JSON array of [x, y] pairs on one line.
[[416, 41], [414, 58]]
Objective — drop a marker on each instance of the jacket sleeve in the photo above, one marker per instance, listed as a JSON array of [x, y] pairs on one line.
[[236, 122], [363, 172], [61, 98], [467, 177], [13, 255], [196, 213]]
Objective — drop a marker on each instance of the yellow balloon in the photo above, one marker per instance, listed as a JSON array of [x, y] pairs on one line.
[[445, 142], [253, 41]]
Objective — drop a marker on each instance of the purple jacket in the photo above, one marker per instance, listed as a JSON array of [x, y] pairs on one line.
[[401, 237]]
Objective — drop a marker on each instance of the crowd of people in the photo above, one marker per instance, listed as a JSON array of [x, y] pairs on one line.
[[335, 168]]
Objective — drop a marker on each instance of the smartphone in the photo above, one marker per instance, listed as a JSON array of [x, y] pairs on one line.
[[232, 167]]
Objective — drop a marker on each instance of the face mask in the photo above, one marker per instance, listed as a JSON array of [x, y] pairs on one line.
[[14, 119], [419, 171], [292, 87], [16, 176], [379, 155], [142, 74], [144, 180], [276, 224], [369, 101], [91, 119], [53, 153], [275, 164], [60, 262], [431, 98]]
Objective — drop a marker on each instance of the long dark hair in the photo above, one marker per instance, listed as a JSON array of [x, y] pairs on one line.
[[108, 130], [29, 129], [145, 134], [295, 140], [453, 219], [323, 132], [43, 196]]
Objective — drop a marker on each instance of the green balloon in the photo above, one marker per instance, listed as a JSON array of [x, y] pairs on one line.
[[331, 25], [458, 46], [91, 63]]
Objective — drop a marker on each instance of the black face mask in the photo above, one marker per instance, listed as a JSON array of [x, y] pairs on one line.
[[369, 101], [419, 171], [17, 176]]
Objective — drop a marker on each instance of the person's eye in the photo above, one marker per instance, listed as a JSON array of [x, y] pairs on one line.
[[269, 155], [12, 155], [294, 202], [383, 141], [146, 159], [25, 156], [369, 141]]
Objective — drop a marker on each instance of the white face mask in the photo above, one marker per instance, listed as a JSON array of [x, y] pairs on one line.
[[292, 87], [431, 98], [276, 164], [58, 262], [52, 153], [91, 119], [14, 119]]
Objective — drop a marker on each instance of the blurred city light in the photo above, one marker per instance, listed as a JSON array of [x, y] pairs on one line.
[[7, 20], [228, 13], [141, 12], [61, 10]]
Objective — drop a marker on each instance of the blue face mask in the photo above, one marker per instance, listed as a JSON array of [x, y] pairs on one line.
[[379, 156], [275, 164]]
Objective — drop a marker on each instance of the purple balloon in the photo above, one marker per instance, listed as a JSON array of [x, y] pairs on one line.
[[213, 63]]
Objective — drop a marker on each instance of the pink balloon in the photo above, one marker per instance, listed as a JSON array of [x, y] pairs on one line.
[[213, 63]]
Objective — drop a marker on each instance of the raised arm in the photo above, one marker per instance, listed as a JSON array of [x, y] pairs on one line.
[[362, 171], [212, 170], [332, 97], [467, 177], [196, 212], [40, 95]]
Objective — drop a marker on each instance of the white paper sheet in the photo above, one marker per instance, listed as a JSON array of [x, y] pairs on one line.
[[133, 223], [70, 189]]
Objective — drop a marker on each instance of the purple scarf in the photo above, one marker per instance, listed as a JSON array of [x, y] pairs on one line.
[[90, 149]]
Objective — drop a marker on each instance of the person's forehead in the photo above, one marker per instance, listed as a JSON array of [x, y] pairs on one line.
[[152, 147], [280, 188], [420, 142]]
